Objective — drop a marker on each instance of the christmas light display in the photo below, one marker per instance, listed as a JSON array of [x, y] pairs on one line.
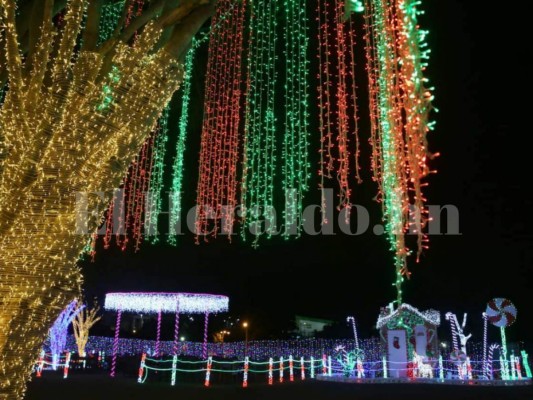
[[485, 319], [115, 344], [526, 363], [432, 316], [260, 147], [176, 332], [337, 98], [206, 325], [513, 367], [270, 371], [58, 331], [67, 365], [312, 368], [141, 368], [176, 192], [399, 110], [458, 332], [109, 19], [152, 206], [186, 303], [40, 364], [490, 359], [245, 372], [83, 321], [281, 369], [291, 369], [502, 313], [158, 335], [208, 371], [174, 364], [60, 145], [354, 328], [295, 168], [219, 152]]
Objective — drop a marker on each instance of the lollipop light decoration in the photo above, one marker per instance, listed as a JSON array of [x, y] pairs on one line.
[[502, 314]]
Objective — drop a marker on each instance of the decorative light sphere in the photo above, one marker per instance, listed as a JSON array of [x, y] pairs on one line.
[[153, 302]]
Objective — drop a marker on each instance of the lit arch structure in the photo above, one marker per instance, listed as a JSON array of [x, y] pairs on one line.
[[158, 302]]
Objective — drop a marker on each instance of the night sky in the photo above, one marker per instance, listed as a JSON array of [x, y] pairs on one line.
[[478, 73]]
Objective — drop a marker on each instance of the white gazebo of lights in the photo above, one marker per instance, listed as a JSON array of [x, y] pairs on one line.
[[152, 302]]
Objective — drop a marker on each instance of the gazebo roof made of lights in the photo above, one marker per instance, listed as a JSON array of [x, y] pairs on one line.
[[155, 302]]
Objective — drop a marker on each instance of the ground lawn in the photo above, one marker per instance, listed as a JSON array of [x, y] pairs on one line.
[[101, 387]]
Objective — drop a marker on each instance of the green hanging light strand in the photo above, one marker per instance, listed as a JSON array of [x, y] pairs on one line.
[[109, 18], [296, 136], [154, 199], [260, 122], [175, 197], [399, 110]]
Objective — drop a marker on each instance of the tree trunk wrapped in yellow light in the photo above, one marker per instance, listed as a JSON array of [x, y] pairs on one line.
[[82, 323], [72, 121]]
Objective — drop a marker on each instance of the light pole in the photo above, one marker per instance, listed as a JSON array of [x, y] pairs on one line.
[[245, 326]]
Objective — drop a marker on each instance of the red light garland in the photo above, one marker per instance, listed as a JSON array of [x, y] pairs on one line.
[[337, 98], [219, 154], [399, 109]]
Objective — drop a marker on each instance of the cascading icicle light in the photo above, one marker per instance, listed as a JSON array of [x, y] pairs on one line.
[[399, 111], [259, 166], [219, 152], [337, 98], [296, 136], [178, 167], [155, 191]]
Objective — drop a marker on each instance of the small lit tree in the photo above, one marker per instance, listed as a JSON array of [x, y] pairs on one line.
[[83, 322]]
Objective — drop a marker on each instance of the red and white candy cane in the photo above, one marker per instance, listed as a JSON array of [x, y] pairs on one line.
[[270, 371], [67, 364], [291, 369], [141, 368]]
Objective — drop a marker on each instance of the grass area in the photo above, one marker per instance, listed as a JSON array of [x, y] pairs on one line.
[[102, 387]]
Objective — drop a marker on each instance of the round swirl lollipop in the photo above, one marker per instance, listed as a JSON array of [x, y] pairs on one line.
[[501, 312]]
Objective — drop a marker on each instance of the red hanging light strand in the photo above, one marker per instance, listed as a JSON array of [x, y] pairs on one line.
[[219, 153], [337, 98]]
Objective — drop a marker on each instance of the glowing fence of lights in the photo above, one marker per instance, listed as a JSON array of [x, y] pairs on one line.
[[380, 369]]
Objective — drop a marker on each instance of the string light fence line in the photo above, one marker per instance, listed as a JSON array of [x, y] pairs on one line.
[[48, 361], [445, 367], [244, 367], [310, 368]]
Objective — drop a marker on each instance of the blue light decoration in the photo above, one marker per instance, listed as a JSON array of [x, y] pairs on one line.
[[58, 333]]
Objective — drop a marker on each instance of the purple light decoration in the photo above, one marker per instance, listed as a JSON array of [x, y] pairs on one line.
[[115, 344], [176, 332], [485, 371], [158, 337], [204, 347], [58, 331]]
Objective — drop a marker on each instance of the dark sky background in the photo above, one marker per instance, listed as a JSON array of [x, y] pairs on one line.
[[478, 71]]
